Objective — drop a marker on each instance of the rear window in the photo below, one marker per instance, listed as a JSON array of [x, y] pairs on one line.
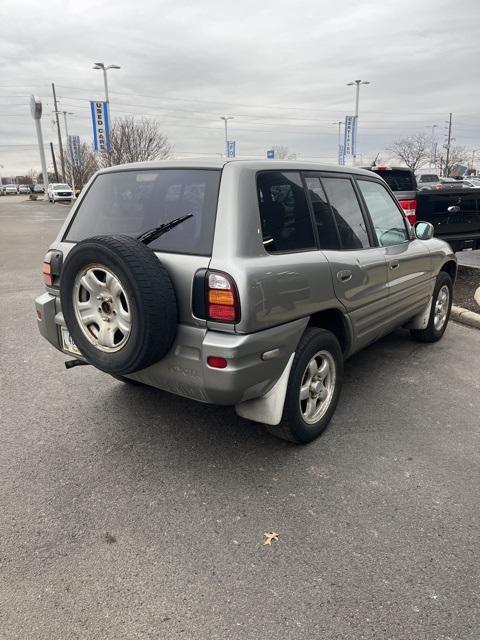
[[430, 177], [132, 202], [398, 180]]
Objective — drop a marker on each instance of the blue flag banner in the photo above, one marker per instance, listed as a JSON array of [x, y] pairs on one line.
[[101, 125], [271, 154], [74, 148], [341, 155], [350, 136], [231, 149]]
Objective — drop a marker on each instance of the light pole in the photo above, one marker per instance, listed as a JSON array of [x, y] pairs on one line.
[[69, 149], [433, 152], [101, 65], [226, 119], [356, 84], [339, 142], [36, 109]]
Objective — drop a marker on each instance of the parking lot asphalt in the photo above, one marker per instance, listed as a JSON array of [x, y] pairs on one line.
[[128, 513]]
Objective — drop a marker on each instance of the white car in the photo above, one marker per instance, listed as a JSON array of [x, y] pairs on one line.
[[10, 190], [23, 188], [59, 192]]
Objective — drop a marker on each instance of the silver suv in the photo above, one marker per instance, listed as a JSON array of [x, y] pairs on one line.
[[243, 283]]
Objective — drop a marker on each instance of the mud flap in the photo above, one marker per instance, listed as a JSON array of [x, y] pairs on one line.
[[420, 321], [267, 409]]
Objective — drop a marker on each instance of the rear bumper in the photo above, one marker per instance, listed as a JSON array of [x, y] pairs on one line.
[[184, 370]]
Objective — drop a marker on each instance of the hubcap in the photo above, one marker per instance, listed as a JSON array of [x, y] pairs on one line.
[[102, 308], [441, 307], [318, 385]]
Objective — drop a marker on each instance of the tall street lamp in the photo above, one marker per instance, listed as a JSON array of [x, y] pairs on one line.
[[356, 84], [226, 119], [101, 65], [339, 141]]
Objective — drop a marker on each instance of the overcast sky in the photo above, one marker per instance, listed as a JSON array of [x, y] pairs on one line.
[[280, 68]]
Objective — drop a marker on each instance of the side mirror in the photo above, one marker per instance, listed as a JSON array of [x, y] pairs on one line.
[[423, 230]]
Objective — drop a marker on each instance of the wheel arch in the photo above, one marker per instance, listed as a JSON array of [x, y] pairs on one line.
[[451, 268], [336, 321]]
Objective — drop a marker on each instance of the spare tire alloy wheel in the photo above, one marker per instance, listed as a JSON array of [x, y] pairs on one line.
[[102, 308], [118, 303]]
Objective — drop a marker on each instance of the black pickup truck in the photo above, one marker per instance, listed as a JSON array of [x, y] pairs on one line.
[[454, 210]]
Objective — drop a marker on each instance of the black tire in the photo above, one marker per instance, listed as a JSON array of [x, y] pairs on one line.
[[430, 333], [150, 294], [293, 427]]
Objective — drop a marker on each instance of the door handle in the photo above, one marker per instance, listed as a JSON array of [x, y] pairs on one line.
[[454, 209], [394, 265], [344, 276]]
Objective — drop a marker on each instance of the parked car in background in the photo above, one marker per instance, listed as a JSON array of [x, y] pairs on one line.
[[59, 192], [38, 188], [11, 190], [243, 283], [427, 180], [471, 184], [23, 188]]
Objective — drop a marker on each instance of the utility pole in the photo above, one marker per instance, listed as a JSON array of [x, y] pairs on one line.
[[60, 146], [54, 165], [449, 140]]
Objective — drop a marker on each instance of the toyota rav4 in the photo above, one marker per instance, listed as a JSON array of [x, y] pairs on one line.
[[245, 283]]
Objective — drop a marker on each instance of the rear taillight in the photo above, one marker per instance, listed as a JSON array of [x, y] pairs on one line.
[[409, 209], [52, 267], [222, 301]]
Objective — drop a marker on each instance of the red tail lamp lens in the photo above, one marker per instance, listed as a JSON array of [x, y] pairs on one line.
[[216, 362]]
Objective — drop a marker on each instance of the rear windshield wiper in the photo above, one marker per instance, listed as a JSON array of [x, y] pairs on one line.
[[156, 232]]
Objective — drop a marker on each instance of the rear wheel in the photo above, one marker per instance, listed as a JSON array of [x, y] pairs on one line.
[[313, 388], [439, 313]]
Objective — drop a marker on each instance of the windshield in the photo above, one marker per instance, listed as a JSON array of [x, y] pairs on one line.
[[60, 187], [397, 179], [133, 202], [429, 178]]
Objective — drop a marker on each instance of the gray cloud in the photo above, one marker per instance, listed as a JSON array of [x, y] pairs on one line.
[[279, 67]]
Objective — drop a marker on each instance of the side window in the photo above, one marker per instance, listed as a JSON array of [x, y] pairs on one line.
[[284, 214], [347, 213], [388, 222], [327, 232]]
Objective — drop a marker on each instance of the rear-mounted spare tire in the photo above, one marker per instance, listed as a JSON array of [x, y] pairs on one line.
[[119, 303]]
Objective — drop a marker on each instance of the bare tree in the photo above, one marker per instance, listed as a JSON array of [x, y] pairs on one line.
[[281, 152], [136, 141], [457, 155], [83, 168], [413, 151]]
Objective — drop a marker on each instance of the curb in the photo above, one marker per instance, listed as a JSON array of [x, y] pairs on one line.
[[464, 316]]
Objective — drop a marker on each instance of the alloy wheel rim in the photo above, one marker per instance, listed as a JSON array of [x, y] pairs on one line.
[[102, 308], [317, 387], [441, 307]]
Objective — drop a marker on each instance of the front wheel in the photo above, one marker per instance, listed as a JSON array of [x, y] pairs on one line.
[[439, 313], [313, 387]]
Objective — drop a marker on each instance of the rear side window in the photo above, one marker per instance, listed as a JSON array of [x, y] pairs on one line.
[[397, 179], [284, 214], [347, 213], [322, 214], [132, 202]]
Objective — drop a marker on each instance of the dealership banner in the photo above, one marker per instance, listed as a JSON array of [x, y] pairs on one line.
[[74, 148], [101, 125], [231, 149], [350, 137], [341, 154]]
